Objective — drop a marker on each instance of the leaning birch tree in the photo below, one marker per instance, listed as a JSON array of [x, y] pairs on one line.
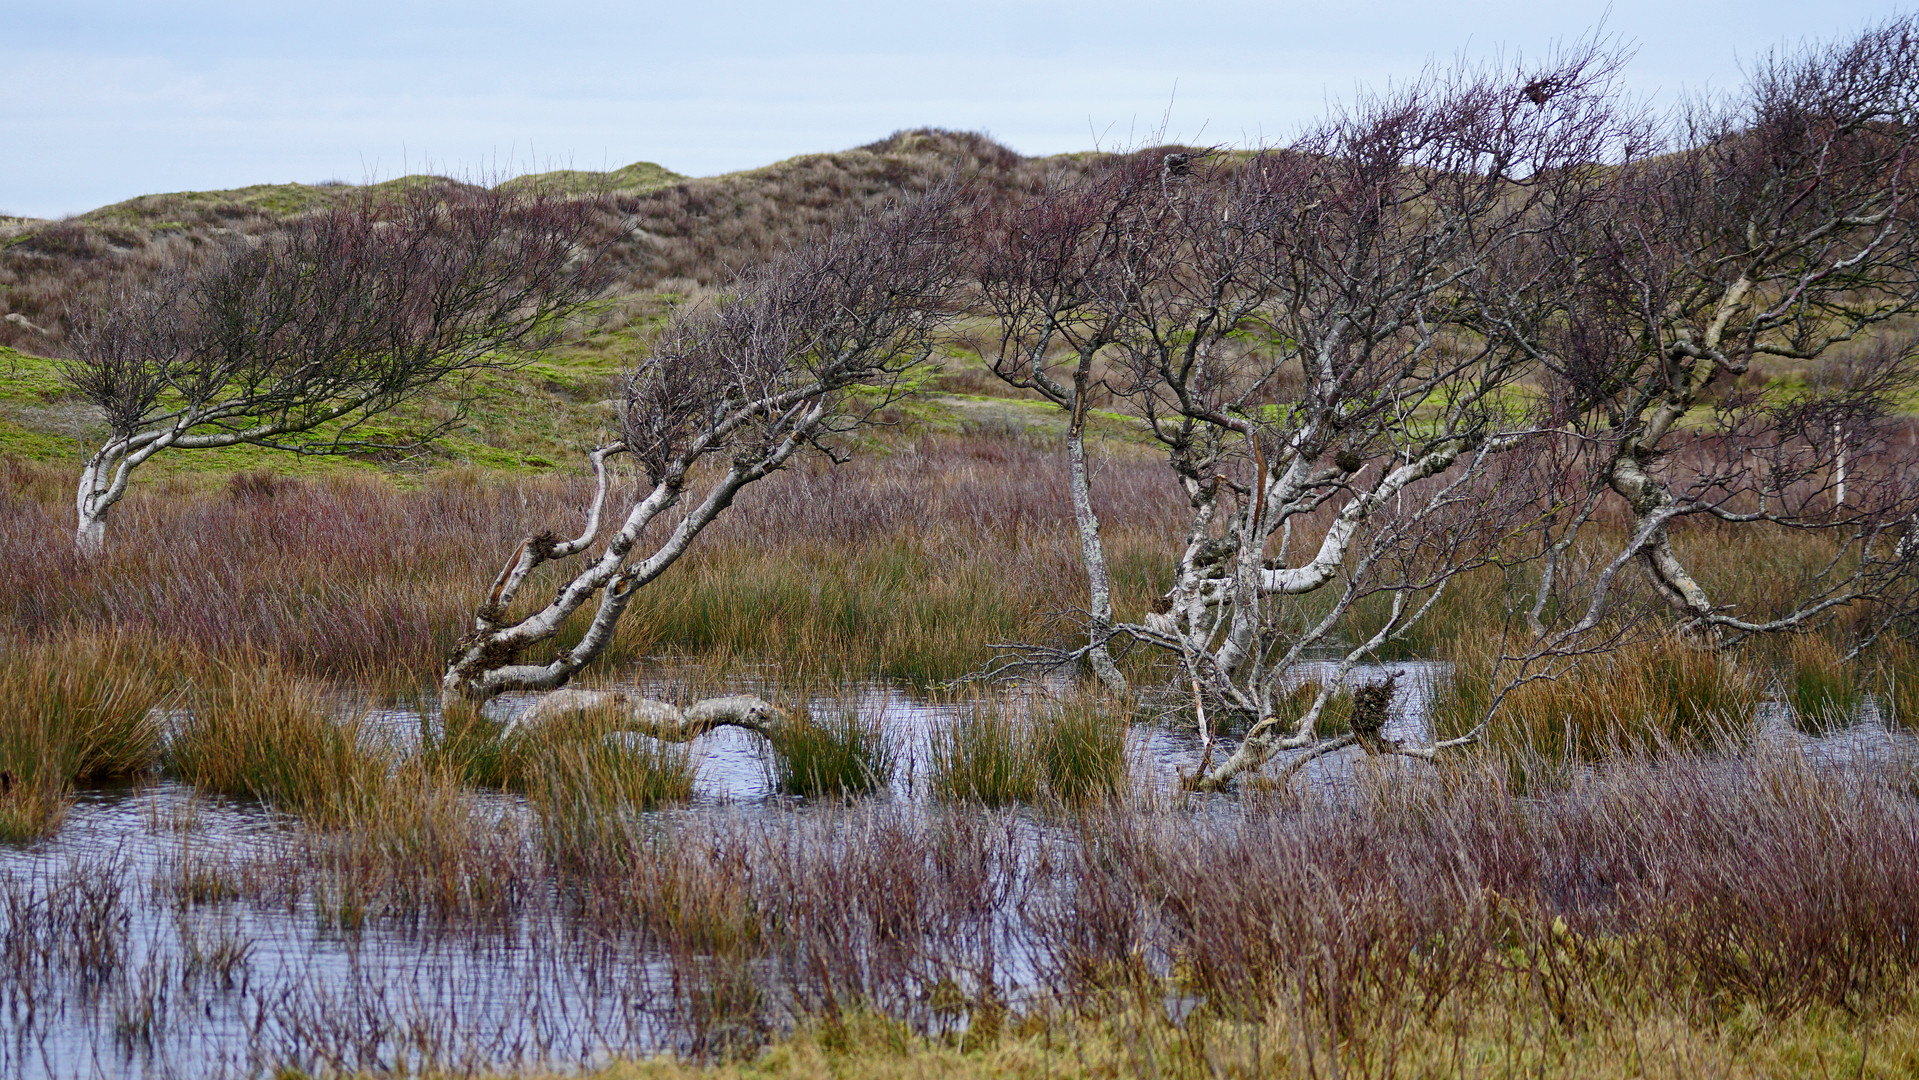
[[297, 338], [800, 351], [1777, 228]]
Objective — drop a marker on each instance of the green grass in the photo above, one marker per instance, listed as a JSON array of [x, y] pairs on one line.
[[841, 754], [639, 176], [986, 756], [1071, 753], [1511, 1032], [1822, 688]]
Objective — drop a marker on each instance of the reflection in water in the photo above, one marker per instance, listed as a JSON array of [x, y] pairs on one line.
[[162, 933]]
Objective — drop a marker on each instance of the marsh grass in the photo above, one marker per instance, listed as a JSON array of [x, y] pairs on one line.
[[1822, 688], [426, 851], [1081, 746], [987, 755], [256, 730], [841, 754], [1334, 720], [1749, 905], [31, 810], [466, 743], [1652, 696], [1896, 679], [583, 760], [909, 562], [1071, 752], [79, 708], [605, 771]]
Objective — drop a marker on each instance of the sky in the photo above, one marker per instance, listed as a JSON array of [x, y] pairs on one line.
[[103, 100]]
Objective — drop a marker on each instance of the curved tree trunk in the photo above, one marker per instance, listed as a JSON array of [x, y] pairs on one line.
[[658, 719]]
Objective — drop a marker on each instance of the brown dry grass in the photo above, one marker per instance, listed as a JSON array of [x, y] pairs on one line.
[[911, 562]]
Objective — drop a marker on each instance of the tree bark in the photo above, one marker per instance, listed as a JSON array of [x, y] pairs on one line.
[[1093, 554], [656, 719]]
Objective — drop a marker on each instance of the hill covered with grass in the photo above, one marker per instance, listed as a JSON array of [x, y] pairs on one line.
[[672, 235]]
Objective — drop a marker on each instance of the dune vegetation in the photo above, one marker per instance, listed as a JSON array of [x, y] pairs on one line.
[[1194, 612]]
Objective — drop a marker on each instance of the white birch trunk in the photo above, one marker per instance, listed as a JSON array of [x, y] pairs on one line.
[[1093, 554]]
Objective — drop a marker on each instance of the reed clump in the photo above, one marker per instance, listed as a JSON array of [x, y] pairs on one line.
[[256, 730], [426, 852], [1660, 694], [994, 753], [596, 768], [79, 707], [841, 754]]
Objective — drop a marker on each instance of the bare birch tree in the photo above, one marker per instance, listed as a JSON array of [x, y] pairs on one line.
[[1059, 271], [802, 350], [1308, 329], [1380, 389], [297, 338], [1477, 318], [1773, 229]]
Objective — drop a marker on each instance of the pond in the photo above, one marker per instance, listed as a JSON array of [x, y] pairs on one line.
[[162, 933]]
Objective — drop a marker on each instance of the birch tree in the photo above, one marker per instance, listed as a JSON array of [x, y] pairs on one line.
[[1058, 271], [1399, 296], [801, 351], [1489, 317], [1333, 328], [296, 339], [1774, 229]]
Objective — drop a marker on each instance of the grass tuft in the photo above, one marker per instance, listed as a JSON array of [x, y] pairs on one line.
[[1653, 696], [1072, 753], [31, 810], [844, 754], [1823, 690], [986, 756], [1081, 745], [258, 731], [80, 708], [584, 761]]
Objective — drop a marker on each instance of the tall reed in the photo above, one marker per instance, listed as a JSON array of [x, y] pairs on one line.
[[841, 754], [79, 707], [257, 730]]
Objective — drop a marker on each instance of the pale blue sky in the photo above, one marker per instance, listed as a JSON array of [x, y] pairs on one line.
[[101, 100]]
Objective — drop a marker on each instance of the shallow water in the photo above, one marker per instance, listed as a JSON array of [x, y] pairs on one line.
[[118, 960]]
